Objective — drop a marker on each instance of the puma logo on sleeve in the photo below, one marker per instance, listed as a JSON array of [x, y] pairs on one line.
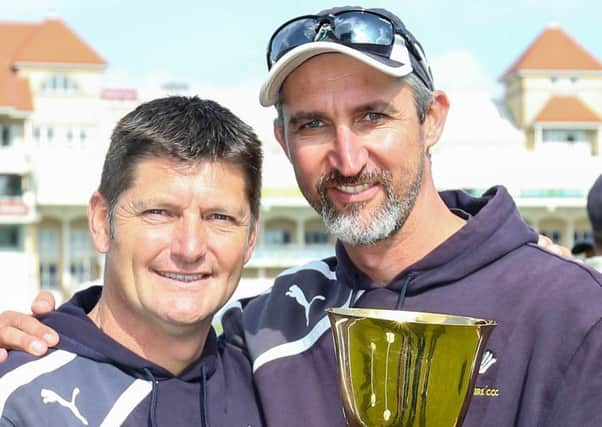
[[49, 396], [295, 292]]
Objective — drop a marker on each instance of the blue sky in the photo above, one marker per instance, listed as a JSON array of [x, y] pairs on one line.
[[222, 44]]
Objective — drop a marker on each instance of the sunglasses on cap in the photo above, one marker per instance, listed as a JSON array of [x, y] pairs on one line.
[[363, 30]]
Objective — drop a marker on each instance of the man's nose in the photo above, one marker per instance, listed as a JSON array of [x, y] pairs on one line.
[[190, 240], [348, 154]]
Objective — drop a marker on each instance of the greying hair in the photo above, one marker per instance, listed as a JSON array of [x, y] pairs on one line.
[[186, 130], [423, 98]]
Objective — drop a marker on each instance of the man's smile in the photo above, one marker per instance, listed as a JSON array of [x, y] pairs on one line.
[[183, 277]]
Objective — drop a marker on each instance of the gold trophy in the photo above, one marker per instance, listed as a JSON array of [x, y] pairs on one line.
[[406, 369]]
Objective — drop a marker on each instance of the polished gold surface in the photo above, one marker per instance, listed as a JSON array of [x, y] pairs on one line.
[[407, 369]]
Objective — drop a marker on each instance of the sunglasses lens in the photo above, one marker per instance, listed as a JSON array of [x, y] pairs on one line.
[[363, 28], [367, 30], [290, 36]]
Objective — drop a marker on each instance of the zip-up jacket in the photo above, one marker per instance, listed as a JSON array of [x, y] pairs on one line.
[[91, 380], [543, 362]]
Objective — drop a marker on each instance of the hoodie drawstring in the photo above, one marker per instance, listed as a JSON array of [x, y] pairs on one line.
[[154, 393], [402, 292], [153, 403], [203, 403]]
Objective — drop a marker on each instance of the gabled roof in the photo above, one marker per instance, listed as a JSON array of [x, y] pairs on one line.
[[565, 109], [53, 42], [554, 49], [49, 42], [14, 90]]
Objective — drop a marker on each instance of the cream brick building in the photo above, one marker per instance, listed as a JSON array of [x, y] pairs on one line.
[[55, 119], [542, 140]]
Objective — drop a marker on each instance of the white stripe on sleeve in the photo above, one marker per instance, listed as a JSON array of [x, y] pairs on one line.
[[29, 371], [126, 403]]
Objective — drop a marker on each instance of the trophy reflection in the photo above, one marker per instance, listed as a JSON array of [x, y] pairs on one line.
[[407, 369]]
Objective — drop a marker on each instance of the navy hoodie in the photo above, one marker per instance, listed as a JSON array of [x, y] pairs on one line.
[[92, 380], [543, 362]]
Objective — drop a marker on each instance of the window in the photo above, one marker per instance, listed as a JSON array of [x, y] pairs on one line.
[[582, 235], [82, 136], [10, 185], [315, 237], [69, 136], [80, 272], [50, 134], [36, 134], [49, 275], [49, 249], [49, 242], [60, 83], [80, 242], [277, 237], [10, 236], [565, 135], [5, 135], [82, 253]]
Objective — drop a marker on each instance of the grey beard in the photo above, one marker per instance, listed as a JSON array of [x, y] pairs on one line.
[[387, 219]]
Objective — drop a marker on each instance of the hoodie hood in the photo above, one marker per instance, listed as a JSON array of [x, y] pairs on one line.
[[493, 230], [81, 336]]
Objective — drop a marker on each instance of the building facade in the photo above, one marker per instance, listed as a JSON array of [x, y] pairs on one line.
[[542, 140], [55, 119]]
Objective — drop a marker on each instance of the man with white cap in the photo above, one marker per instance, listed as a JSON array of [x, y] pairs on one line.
[[357, 117]]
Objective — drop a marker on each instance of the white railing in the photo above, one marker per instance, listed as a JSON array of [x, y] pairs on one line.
[[287, 255]]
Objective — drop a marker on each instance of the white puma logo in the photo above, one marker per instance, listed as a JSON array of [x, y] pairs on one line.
[[295, 292], [49, 396], [486, 362]]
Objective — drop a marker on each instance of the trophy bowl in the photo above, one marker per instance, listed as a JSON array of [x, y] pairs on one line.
[[406, 369]]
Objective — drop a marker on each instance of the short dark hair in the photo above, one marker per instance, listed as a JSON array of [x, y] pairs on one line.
[[183, 129], [594, 208]]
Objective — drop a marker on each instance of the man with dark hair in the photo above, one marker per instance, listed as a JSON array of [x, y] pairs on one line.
[[176, 217], [358, 114], [594, 212]]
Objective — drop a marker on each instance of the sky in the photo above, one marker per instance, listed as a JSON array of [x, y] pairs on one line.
[[218, 48]]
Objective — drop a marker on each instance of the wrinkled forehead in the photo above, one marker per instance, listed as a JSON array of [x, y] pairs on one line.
[[337, 74]]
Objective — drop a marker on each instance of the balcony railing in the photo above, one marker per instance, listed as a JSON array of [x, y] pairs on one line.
[[287, 255]]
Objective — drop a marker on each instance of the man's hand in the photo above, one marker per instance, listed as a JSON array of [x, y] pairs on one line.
[[547, 243], [19, 331]]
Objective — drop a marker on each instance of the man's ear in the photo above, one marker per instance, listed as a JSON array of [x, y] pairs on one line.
[[278, 134], [253, 234], [435, 118], [98, 222]]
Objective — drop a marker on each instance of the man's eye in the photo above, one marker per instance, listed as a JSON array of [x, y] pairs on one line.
[[221, 217], [312, 124], [372, 115], [155, 212]]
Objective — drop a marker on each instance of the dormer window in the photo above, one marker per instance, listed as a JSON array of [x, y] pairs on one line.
[[6, 135], [60, 83], [570, 136]]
